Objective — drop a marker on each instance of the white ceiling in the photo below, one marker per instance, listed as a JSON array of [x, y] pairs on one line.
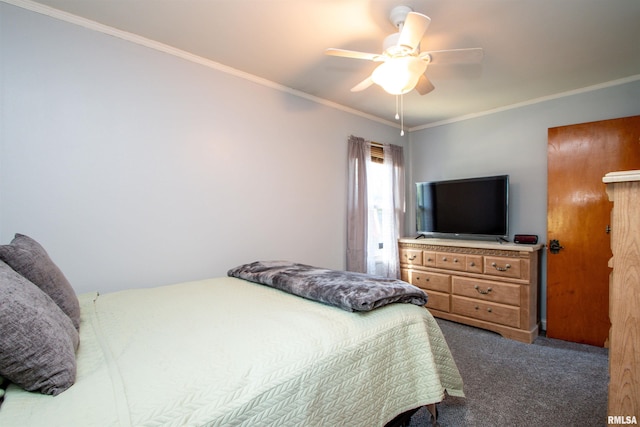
[[532, 48]]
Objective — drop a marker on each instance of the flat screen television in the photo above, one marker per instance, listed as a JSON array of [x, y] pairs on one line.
[[474, 208]]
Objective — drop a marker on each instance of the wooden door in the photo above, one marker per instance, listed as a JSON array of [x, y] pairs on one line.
[[578, 218]]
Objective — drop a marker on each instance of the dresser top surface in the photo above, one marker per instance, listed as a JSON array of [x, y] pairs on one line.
[[481, 244], [621, 176]]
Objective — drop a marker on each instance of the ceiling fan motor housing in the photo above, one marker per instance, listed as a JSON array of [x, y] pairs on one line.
[[399, 14], [392, 48]]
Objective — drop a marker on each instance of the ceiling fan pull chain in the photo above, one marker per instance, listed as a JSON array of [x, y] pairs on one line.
[[397, 115], [401, 115]]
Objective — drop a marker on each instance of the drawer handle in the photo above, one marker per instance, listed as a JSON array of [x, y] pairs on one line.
[[444, 258], [489, 310], [505, 268], [480, 291], [472, 264], [411, 258]]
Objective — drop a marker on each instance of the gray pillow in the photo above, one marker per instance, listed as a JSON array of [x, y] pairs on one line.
[[28, 257], [38, 341]]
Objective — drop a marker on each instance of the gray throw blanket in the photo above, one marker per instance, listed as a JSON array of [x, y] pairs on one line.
[[344, 289]]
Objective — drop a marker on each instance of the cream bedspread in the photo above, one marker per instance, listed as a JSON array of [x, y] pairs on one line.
[[226, 352]]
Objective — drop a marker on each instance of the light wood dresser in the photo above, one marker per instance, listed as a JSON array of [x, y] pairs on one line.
[[483, 284], [623, 189]]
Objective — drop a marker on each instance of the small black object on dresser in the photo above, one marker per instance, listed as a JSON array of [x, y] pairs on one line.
[[529, 239]]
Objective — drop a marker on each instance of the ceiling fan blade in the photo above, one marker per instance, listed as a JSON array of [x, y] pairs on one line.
[[362, 85], [354, 54], [424, 85], [414, 27], [455, 56]]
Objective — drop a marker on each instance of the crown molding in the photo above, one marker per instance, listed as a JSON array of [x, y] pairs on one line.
[[529, 102], [152, 44]]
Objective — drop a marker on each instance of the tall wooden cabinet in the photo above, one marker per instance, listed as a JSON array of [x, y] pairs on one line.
[[483, 284], [623, 189]]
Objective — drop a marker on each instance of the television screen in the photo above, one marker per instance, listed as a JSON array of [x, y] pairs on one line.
[[474, 207]]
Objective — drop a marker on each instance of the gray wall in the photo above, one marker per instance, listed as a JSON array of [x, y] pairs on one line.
[[512, 142], [136, 168]]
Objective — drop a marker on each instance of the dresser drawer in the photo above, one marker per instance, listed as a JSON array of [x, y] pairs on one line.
[[504, 267], [428, 259], [439, 301], [411, 256], [431, 281], [485, 290], [474, 263], [487, 311], [451, 261], [405, 275]]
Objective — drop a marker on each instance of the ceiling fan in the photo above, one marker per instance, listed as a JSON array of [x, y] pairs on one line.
[[403, 66]]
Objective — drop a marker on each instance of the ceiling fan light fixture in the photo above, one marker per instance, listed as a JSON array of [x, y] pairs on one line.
[[399, 75]]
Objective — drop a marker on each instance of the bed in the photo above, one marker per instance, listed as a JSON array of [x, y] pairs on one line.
[[230, 352]]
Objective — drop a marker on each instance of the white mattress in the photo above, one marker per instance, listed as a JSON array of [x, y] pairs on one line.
[[226, 352]]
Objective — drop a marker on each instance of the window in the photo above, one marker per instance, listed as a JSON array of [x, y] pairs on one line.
[[378, 187], [375, 207], [377, 153]]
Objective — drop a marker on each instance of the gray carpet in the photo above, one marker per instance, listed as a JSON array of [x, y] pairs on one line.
[[508, 383]]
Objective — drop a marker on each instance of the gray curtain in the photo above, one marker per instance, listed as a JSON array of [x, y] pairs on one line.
[[394, 158], [359, 155]]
